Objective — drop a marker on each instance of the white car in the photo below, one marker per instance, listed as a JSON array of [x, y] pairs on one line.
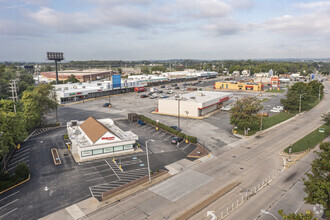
[[275, 110], [279, 107]]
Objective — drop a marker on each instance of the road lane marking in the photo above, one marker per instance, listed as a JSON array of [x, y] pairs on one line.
[[9, 165], [14, 157]]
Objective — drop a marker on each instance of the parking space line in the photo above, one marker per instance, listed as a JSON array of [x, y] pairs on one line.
[[130, 163], [157, 132], [186, 146], [9, 196], [16, 157], [101, 177], [21, 151], [87, 168], [168, 137], [8, 203], [87, 174], [10, 164], [8, 213], [111, 168], [26, 161]]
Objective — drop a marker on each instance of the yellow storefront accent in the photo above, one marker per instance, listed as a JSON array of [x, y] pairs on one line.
[[237, 86]]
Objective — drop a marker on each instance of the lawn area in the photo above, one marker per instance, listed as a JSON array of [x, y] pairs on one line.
[[275, 90], [267, 122], [310, 140]]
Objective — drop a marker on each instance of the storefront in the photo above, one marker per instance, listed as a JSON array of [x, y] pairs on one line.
[[93, 139]]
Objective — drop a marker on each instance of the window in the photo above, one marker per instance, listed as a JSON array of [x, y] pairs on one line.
[[108, 150], [221, 85], [118, 148], [127, 147], [98, 151], [86, 153], [226, 86]]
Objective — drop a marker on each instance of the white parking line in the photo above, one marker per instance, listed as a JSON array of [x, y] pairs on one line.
[[112, 169], [10, 164], [101, 177], [87, 168], [186, 146], [21, 151], [9, 196], [130, 162], [8, 203], [16, 157], [7, 213], [168, 137], [157, 132]]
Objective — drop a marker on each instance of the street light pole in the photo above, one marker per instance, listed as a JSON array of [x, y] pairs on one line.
[[149, 172], [320, 92], [178, 98], [300, 101], [187, 112]]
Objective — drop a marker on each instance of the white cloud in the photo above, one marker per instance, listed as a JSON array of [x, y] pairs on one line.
[[313, 5], [245, 4], [226, 26]]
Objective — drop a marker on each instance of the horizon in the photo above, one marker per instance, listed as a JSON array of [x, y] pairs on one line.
[[161, 30]]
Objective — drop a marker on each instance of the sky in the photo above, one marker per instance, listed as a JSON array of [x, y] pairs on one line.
[[164, 29]]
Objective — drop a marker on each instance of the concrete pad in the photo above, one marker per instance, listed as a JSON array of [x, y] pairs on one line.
[[133, 213], [88, 205], [61, 214], [178, 166], [75, 211], [153, 204], [181, 184]]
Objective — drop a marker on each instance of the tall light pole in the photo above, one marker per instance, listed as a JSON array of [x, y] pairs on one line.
[[57, 57], [187, 112], [149, 172], [268, 213], [179, 99], [300, 101], [262, 114], [320, 92]]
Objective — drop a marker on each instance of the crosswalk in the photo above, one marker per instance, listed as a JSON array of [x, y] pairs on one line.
[[123, 178]]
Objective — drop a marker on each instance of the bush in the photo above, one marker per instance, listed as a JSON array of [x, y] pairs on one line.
[[66, 137], [22, 171]]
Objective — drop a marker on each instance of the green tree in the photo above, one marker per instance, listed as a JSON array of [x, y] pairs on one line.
[[145, 70], [72, 79], [317, 184], [37, 103], [299, 216], [22, 170], [244, 113], [326, 118]]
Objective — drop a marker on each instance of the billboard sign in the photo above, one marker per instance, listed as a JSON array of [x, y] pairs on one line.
[[116, 81]]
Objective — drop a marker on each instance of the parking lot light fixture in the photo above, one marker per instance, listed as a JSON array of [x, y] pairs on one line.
[[157, 124], [262, 114], [187, 112], [300, 101], [149, 171]]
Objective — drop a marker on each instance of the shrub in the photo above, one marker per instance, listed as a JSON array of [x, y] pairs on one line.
[[22, 170], [66, 137]]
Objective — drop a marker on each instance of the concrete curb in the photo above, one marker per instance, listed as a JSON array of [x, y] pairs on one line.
[[15, 185]]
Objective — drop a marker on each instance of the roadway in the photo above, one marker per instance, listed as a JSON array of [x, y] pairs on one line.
[[249, 161]]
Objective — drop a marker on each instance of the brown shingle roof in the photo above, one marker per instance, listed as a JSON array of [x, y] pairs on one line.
[[93, 129]]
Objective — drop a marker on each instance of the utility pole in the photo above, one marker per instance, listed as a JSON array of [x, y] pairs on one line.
[[14, 96]]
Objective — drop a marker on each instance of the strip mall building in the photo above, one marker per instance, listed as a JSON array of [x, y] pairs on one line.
[[194, 104], [238, 86], [93, 139]]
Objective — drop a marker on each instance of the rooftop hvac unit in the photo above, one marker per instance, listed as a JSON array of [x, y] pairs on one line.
[[74, 87], [66, 88], [83, 87], [193, 97], [201, 94], [74, 123]]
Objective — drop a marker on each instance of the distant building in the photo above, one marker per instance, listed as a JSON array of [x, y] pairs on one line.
[[82, 76], [93, 139], [129, 71], [238, 86], [236, 73], [246, 73], [261, 74]]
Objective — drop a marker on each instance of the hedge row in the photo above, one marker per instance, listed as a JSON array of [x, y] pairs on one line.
[[147, 120], [22, 172]]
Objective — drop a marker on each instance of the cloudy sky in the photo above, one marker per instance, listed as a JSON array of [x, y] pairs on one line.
[[164, 29]]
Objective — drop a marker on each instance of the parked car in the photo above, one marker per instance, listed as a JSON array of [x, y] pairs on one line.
[[153, 96], [107, 104], [150, 94], [143, 96], [153, 89], [141, 122], [162, 87], [175, 128], [168, 88], [175, 84], [160, 91], [170, 92], [176, 140], [164, 96], [177, 87]]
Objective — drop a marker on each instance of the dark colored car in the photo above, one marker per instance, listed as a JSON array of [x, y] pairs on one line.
[[107, 104], [149, 94], [176, 140], [174, 84], [162, 87], [141, 122], [177, 87], [143, 96], [160, 91], [175, 128]]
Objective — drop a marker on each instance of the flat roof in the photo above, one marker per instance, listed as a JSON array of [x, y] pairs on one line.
[[202, 96], [79, 72]]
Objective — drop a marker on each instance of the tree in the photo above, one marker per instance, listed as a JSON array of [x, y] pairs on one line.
[[22, 170], [317, 184], [299, 216], [244, 113], [37, 103], [145, 70], [72, 79], [326, 118]]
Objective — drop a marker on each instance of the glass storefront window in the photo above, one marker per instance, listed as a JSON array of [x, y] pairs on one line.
[[86, 153], [118, 148], [108, 150], [127, 147], [98, 151]]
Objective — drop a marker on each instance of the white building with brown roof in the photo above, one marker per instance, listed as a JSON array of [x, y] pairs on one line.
[[93, 139]]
